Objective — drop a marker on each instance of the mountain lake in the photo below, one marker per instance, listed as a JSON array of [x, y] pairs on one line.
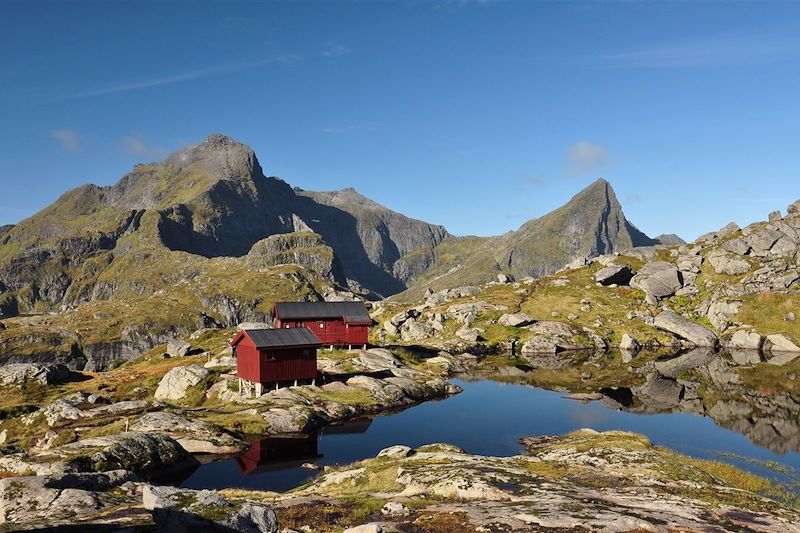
[[487, 418]]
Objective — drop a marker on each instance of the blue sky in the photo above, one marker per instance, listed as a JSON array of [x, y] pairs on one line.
[[475, 115]]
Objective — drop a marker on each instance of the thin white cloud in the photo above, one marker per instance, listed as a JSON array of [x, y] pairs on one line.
[[585, 157], [335, 49], [67, 139], [185, 76], [720, 51], [136, 146]]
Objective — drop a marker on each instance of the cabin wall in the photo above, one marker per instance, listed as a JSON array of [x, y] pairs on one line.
[[331, 332], [287, 364], [247, 360]]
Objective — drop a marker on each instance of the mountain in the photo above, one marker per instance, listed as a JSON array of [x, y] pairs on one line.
[[591, 223], [211, 200], [380, 248], [206, 239]]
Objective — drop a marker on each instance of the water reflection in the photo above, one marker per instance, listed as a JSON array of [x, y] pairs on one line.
[[701, 381], [497, 409], [278, 453], [274, 463]]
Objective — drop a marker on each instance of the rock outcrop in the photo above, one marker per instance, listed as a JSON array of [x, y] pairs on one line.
[[658, 280], [639, 489], [176, 383], [686, 329], [43, 374]]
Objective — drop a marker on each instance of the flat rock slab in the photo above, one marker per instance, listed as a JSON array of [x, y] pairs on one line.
[[686, 329]]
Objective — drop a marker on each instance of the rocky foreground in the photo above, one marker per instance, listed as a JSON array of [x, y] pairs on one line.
[[611, 481]]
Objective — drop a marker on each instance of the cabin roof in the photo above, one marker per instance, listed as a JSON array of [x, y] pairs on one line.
[[279, 338], [353, 312]]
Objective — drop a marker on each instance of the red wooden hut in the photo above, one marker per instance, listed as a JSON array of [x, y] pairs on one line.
[[334, 323], [268, 358]]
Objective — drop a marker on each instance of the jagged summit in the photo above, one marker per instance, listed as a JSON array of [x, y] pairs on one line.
[[213, 199], [591, 223], [220, 155]]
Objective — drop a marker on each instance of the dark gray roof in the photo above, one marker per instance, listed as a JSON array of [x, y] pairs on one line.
[[275, 338], [350, 311]]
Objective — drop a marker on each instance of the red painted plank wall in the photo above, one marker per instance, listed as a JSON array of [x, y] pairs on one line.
[[268, 366], [334, 332]]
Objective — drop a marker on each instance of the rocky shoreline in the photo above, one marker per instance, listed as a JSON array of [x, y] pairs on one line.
[[611, 481]]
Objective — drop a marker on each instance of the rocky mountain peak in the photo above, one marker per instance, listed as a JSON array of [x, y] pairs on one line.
[[218, 155], [589, 224]]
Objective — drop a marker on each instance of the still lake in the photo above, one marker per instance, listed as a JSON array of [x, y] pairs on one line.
[[488, 418]]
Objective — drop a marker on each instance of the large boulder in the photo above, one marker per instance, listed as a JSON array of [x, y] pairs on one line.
[[147, 454], [761, 241], [658, 279], [721, 312], [59, 498], [468, 334], [178, 348], [550, 338], [780, 343], [194, 435], [745, 340], [696, 334], [177, 509], [689, 263], [727, 263], [736, 246], [377, 360], [728, 229], [41, 373], [515, 320], [412, 330], [794, 208], [177, 382], [629, 344], [614, 275]]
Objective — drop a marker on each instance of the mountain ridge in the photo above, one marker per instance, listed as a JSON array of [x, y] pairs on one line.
[[213, 199]]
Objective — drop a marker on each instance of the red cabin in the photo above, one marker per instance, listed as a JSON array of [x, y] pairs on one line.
[[268, 358], [334, 323]]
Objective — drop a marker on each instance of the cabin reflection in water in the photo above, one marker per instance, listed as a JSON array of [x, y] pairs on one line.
[[278, 453]]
